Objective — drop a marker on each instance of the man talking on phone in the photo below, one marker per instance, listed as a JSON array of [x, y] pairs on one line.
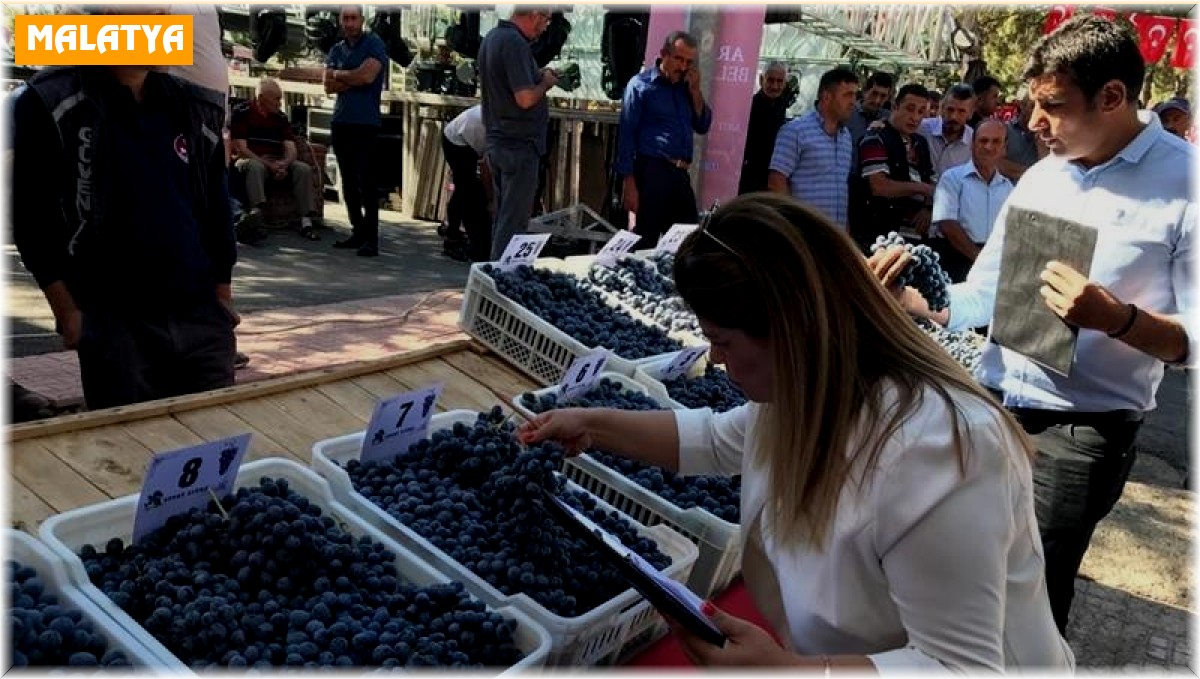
[[662, 107]]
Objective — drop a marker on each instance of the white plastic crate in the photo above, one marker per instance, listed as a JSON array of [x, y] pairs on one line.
[[66, 534], [719, 558], [527, 341], [597, 637], [51, 570], [640, 383], [720, 554]]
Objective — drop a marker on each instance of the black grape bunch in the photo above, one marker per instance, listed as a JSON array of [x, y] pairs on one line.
[[267, 580], [924, 272], [476, 494]]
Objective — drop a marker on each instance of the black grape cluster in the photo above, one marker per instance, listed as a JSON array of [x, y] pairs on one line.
[[664, 263], [565, 303], [266, 580], [965, 346], [713, 390], [637, 284], [923, 273], [43, 633], [720, 495], [475, 494]]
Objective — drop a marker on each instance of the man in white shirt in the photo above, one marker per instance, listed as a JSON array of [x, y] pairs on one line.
[[948, 135], [1118, 171], [464, 144], [967, 200]]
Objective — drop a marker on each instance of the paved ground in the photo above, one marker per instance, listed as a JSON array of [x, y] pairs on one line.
[[306, 305]]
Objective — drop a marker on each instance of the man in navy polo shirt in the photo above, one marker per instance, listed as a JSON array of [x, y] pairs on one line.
[[661, 109], [516, 115], [355, 70], [121, 214]]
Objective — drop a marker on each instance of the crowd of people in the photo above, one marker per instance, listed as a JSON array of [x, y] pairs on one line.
[[898, 512]]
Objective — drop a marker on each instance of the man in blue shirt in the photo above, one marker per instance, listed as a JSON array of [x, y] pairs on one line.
[[661, 109], [356, 70], [516, 115], [1118, 171]]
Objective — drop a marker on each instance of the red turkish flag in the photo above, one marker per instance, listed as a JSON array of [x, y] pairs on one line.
[[1185, 45], [1057, 15], [1105, 13], [1153, 35]]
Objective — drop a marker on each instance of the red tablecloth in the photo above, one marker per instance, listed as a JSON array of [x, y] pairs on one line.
[[666, 652]]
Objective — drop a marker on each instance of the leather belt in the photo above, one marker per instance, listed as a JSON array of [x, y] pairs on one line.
[[677, 163], [1038, 419]]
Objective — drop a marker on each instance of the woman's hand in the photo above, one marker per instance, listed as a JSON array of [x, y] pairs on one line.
[[567, 426], [746, 644]]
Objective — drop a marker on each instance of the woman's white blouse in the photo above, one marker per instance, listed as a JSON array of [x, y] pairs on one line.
[[926, 568]]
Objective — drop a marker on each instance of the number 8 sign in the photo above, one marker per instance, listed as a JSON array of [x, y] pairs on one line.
[[186, 479]]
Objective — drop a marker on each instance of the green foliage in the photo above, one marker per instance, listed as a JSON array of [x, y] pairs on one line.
[[1008, 34]]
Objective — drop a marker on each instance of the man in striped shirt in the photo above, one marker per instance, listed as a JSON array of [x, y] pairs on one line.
[[814, 153]]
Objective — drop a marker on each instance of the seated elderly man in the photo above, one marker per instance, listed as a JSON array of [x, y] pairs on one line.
[[265, 148]]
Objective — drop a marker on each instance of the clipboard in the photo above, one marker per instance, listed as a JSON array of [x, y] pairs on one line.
[[671, 598], [1021, 321]]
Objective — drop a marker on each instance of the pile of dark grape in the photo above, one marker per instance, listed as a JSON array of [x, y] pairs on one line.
[[635, 282], [719, 495], [713, 390], [569, 305], [475, 493], [44, 633], [266, 580]]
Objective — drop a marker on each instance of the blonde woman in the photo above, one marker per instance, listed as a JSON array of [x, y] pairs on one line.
[[887, 499]]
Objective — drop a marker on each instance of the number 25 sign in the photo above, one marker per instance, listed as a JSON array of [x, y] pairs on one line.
[[186, 479]]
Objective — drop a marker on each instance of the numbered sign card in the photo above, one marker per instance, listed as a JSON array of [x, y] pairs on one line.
[[399, 422], [582, 374], [524, 248], [621, 243], [673, 238], [187, 479], [681, 363]]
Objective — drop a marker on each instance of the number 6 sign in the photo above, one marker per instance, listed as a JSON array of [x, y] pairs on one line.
[[186, 479]]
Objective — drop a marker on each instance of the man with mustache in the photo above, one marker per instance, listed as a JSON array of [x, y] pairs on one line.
[[948, 135], [768, 112], [662, 107]]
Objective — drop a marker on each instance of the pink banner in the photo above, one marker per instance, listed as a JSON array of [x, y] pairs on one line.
[[732, 87], [663, 20]]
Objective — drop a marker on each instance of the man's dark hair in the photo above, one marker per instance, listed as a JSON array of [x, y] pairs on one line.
[[961, 92], [914, 89], [984, 83], [687, 38], [1090, 51], [934, 94], [881, 79], [834, 77]]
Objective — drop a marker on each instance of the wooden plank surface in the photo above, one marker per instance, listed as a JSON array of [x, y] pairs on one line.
[[58, 466], [48, 477], [219, 422], [26, 509]]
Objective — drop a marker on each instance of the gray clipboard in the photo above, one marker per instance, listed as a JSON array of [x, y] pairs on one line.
[[1021, 321]]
